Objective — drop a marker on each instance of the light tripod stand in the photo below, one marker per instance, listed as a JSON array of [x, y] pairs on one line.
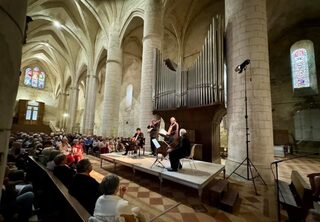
[[247, 160]]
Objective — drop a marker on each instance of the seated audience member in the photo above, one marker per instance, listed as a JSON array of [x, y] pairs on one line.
[[50, 164], [62, 171], [180, 151], [77, 151], [314, 179], [110, 207], [95, 145], [83, 187], [16, 198], [88, 144], [66, 149]]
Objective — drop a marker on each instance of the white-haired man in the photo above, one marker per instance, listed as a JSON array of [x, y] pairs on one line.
[[180, 151]]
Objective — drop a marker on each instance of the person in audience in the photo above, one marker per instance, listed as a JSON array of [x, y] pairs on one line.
[[314, 179], [84, 187], [179, 151], [95, 145], [50, 164], [66, 149], [16, 198], [110, 206], [62, 171], [77, 150], [88, 144]]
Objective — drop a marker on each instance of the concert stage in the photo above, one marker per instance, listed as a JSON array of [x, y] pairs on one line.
[[195, 178]]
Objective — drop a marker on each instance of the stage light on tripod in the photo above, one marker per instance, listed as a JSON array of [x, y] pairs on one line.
[[242, 66]]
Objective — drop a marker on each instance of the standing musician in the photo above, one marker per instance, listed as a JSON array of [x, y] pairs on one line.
[[181, 150], [136, 140], [153, 130], [173, 131]]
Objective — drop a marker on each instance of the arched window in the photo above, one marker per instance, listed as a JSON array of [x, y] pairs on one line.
[[303, 69], [34, 77], [129, 95]]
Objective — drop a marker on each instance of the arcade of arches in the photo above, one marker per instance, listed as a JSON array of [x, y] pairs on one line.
[[97, 63]]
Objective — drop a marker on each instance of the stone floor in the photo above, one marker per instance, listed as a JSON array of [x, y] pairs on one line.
[[143, 191]]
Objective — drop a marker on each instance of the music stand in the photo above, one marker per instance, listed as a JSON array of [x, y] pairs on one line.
[[158, 146]]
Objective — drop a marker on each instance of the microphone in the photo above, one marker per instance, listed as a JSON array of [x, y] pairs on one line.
[[242, 66]]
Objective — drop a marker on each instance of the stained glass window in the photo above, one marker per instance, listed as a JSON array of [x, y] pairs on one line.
[[303, 68], [34, 77], [300, 69]]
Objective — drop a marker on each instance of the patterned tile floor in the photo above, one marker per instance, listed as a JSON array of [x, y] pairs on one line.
[[143, 191]]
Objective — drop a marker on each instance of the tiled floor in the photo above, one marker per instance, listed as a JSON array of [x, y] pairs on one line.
[[143, 191]]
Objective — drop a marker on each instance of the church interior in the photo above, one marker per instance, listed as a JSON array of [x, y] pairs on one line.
[[86, 81]]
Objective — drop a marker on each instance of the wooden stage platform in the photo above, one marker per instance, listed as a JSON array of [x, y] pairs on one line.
[[196, 178]]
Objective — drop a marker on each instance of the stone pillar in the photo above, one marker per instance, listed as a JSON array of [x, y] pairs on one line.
[[112, 86], [152, 34], [247, 38], [62, 109], [90, 103], [12, 26], [72, 109]]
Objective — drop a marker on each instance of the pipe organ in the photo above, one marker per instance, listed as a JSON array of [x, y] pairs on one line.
[[201, 84]]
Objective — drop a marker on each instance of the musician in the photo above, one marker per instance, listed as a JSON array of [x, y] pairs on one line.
[[173, 131], [136, 140], [153, 129], [180, 151]]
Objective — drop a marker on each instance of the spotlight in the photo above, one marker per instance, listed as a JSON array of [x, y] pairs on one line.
[[57, 24], [242, 66]]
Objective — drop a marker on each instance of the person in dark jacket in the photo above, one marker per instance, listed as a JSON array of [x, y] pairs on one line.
[[180, 151], [83, 187], [62, 171]]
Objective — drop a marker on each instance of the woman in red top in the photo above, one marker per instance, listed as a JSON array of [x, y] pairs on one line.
[[77, 150]]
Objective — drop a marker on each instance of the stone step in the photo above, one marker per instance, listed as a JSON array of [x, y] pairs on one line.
[[229, 200], [217, 190]]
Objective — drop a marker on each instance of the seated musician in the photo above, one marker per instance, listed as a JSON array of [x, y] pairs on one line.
[[136, 140], [173, 130], [179, 151]]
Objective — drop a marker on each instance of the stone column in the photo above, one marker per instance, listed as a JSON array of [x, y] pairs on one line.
[[62, 109], [12, 26], [152, 34], [247, 38], [90, 103], [72, 109], [112, 86]]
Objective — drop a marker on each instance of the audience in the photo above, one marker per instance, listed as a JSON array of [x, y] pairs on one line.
[[83, 187], [110, 206], [62, 171], [16, 198]]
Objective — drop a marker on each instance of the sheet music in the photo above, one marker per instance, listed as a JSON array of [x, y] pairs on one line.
[[163, 131], [156, 143]]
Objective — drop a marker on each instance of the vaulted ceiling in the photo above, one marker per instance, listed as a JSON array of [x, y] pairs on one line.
[[68, 36]]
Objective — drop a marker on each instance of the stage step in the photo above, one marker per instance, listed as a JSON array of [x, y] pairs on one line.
[[217, 191], [228, 200]]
